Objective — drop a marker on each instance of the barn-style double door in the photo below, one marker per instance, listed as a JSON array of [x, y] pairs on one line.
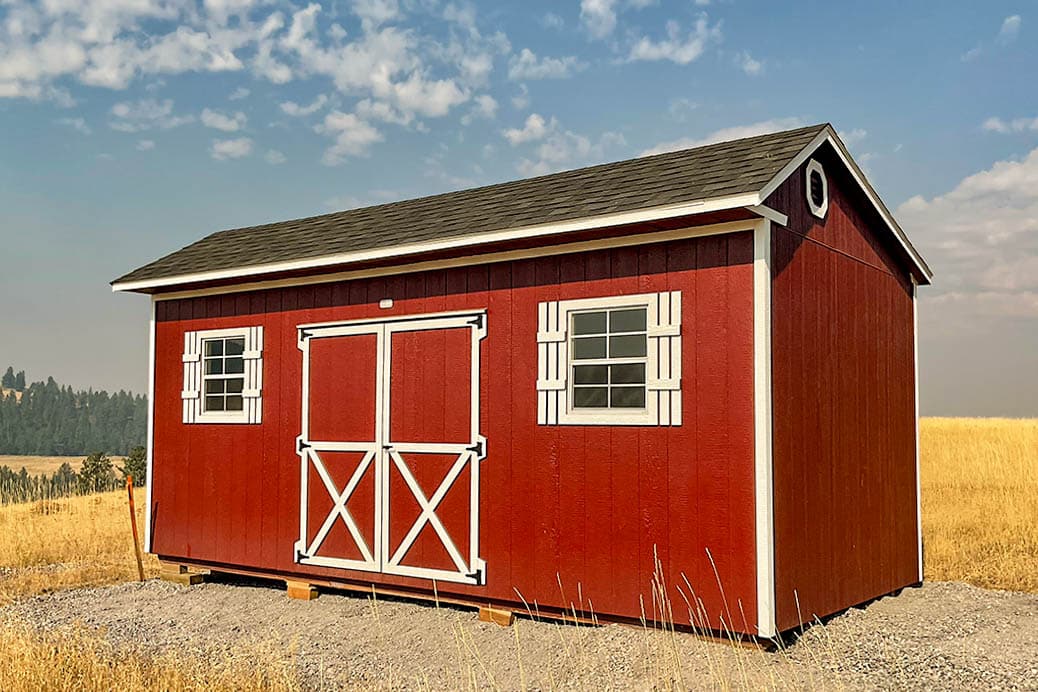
[[390, 446]]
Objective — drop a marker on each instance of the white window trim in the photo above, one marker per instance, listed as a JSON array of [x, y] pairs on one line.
[[194, 379], [662, 369], [819, 210]]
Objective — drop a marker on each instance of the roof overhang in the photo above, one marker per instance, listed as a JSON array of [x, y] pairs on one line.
[[753, 203]]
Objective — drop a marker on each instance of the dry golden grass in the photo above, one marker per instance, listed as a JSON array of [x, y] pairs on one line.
[[65, 542], [46, 465], [80, 659], [980, 501]]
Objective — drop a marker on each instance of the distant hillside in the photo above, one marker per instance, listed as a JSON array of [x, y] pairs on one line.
[[48, 419]]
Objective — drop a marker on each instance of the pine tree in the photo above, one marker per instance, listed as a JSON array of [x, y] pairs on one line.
[[96, 475], [8, 379], [136, 465], [19, 381]]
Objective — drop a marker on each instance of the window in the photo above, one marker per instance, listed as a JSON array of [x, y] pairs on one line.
[[610, 361], [223, 376], [609, 350], [817, 189], [223, 373]]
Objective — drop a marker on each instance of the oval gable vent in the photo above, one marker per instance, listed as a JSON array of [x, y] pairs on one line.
[[817, 189]]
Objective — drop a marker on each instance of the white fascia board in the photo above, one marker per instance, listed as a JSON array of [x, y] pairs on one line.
[[589, 223], [150, 439], [829, 135]]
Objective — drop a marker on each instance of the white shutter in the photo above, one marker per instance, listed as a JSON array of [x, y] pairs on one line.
[[253, 389], [191, 392], [551, 363], [664, 376]]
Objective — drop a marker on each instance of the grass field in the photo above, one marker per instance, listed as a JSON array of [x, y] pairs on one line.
[[980, 525], [45, 465]]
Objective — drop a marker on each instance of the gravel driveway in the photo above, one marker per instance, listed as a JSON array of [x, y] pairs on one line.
[[941, 636]]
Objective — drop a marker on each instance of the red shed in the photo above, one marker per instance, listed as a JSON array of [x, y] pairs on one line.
[[693, 371]]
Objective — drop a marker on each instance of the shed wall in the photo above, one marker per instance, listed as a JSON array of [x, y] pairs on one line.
[[564, 510], [843, 389]]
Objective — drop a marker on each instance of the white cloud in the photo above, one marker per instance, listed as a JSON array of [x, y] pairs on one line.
[[222, 121], [373, 13], [550, 20], [221, 10], [535, 128], [484, 106], [853, 137], [77, 124], [274, 157], [982, 240], [380, 110], [598, 16], [294, 109], [145, 145], [972, 54], [681, 108], [521, 101], [565, 149], [726, 134], [223, 149], [146, 114], [239, 94], [748, 64], [526, 65], [353, 136], [1009, 30], [1010, 126], [678, 48]]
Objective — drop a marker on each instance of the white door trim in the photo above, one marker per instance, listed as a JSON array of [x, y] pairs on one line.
[[385, 454]]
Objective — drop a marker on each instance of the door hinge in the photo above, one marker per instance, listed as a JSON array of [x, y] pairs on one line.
[[476, 576], [478, 448]]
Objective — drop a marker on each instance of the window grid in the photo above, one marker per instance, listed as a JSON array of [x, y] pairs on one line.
[[223, 374], [609, 381]]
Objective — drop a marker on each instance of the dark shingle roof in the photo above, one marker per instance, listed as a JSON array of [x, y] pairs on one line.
[[716, 170]]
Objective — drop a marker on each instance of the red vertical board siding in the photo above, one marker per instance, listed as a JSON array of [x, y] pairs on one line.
[[570, 516], [843, 369]]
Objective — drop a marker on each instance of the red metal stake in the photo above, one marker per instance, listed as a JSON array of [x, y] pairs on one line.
[[133, 524]]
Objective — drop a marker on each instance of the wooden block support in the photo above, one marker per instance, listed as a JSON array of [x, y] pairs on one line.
[[178, 574], [498, 616], [301, 590]]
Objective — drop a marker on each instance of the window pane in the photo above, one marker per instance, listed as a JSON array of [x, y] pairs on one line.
[[214, 366], [632, 346], [589, 397], [234, 366], [234, 386], [234, 403], [214, 347], [214, 403], [627, 373], [627, 397], [589, 323], [590, 374], [589, 347], [235, 347], [214, 386], [627, 320]]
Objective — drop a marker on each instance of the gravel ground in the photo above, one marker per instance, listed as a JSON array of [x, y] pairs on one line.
[[940, 636]]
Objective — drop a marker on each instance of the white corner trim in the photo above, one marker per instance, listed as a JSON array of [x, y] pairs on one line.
[[150, 439], [468, 260], [819, 210], [764, 497], [918, 471], [519, 233], [829, 135], [766, 212]]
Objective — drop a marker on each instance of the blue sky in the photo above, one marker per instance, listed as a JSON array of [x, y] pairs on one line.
[[133, 127]]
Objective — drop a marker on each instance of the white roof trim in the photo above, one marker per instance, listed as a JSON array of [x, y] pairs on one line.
[[829, 135], [641, 215]]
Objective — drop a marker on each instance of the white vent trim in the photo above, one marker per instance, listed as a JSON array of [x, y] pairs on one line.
[[819, 210], [252, 393], [663, 366]]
